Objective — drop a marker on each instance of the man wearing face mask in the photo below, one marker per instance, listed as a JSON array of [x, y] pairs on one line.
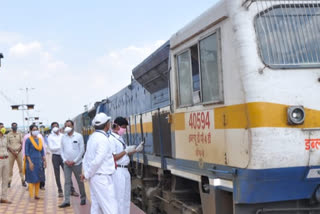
[[122, 178], [15, 152], [72, 149], [98, 167], [54, 143]]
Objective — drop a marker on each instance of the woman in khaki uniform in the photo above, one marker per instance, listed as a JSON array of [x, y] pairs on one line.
[[4, 166]]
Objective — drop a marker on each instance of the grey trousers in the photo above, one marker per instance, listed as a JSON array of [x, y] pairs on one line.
[[77, 171], [57, 162]]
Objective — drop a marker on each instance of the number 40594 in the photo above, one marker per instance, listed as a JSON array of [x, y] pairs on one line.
[[199, 120]]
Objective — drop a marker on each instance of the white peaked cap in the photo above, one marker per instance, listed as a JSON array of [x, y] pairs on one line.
[[100, 118]]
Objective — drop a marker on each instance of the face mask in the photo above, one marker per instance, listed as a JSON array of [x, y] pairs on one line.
[[3, 130], [67, 130], [121, 131], [35, 133], [14, 129], [55, 129]]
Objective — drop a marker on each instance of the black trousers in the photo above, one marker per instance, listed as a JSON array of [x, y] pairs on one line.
[[42, 183], [57, 162]]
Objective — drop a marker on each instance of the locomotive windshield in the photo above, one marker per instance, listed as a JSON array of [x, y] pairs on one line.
[[289, 35]]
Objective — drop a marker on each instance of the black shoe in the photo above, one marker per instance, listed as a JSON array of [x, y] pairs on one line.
[[9, 184], [24, 184], [83, 202], [60, 194], [75, 194], [5, 201], [64, 205]]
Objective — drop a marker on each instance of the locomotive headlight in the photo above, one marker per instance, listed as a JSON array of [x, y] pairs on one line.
[[296, 115]]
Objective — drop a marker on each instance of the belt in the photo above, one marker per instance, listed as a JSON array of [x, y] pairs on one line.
[[122, 166], [3, 157], [102, 174]]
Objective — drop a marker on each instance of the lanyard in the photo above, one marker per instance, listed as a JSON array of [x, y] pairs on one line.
[[102, 132], [123, 144], [105, 134]]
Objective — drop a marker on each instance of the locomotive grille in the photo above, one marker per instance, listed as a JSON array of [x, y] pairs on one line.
[[288, 33]]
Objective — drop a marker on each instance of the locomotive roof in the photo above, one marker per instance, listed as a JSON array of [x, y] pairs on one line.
[[201, 23], [153, 73]]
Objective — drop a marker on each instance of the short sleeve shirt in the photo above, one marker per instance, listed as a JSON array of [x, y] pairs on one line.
[[3, 146], [14, 140], [118, 146]]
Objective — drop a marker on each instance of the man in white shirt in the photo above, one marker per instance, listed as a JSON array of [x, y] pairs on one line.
[[122, 178], [54, 144], [72, 149], [98, 167]]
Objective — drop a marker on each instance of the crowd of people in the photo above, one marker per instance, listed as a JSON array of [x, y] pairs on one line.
[[104, 163]]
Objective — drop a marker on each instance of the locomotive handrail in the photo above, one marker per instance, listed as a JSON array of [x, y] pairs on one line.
[[139, 169], [163, 162]]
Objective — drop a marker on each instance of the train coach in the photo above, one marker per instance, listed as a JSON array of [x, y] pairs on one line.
[[229, 111]]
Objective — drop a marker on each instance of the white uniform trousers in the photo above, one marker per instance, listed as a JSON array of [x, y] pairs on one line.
[[103, 199], [122, 181]]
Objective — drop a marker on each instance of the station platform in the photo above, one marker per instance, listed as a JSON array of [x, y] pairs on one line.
[[49, 201]]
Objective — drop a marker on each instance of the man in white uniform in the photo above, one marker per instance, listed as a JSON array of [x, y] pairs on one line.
[[98, 167], [122, 178]]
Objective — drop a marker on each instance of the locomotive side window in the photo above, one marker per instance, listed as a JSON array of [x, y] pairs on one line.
[[199, 73], [185, 86], [195, 68], [289, 35], [210, 69]]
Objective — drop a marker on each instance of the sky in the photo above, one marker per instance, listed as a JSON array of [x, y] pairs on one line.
[[74, 53]]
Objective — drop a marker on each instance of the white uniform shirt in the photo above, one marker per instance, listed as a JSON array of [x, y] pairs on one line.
[[119, 146], [98, 158], [72, 148], [54, 143]]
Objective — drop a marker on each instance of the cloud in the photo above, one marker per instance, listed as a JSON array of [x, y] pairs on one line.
[[24, 49], [9, 37], [117, 65], [62, 88], [129, 56], [36, 58], [32, 64]]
